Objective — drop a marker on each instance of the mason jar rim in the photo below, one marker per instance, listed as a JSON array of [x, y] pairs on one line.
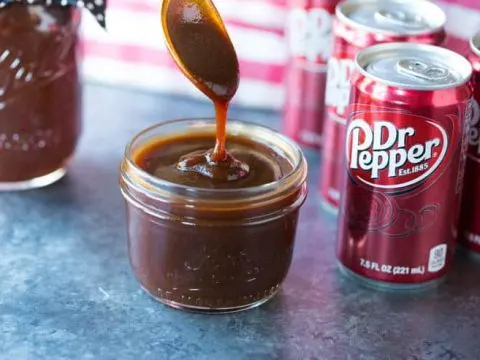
[[206, 193]]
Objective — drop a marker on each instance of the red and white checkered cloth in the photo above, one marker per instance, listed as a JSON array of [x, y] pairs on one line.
[[132, 53]]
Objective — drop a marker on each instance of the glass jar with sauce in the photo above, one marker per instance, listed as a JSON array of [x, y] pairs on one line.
[[39, 94], [212, 249]]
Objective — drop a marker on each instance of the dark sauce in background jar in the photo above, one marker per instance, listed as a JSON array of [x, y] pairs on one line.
[[40, 95]]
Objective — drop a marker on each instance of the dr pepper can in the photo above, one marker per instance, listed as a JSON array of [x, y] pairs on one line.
[[405, 153], [469, 232], [359, 24], [309, 33]]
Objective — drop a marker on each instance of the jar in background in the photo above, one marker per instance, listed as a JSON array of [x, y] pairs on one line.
[[212, 250], [40, 94]]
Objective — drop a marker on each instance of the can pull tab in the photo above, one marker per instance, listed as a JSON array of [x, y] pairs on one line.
[[401, 18], [422, 70]]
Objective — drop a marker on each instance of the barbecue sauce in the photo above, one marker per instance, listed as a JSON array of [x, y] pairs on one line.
[[200, 45]]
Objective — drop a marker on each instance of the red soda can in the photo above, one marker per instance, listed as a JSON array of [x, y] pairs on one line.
[[309, 33], [469, 231], [405, 152], [359, 24]]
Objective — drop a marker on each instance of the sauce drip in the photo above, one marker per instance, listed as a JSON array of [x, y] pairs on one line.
[[199, 44]]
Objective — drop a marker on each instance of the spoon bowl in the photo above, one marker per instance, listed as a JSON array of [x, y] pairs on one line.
[[201, 47]]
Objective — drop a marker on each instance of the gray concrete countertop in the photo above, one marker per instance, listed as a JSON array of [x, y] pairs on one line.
[[66, 290]]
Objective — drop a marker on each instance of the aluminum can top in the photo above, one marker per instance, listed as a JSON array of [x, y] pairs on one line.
[[475, 44], [413, 66], [397, 17]]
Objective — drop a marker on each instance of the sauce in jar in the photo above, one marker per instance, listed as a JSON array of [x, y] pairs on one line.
[[206, 244], [39, 94], [158, 159]]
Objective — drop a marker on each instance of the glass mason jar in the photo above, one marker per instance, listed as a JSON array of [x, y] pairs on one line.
[[40, 94], [212, 250]]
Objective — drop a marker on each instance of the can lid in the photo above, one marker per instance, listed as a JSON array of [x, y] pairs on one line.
[[398, 17], [475, 43], [414, 66]]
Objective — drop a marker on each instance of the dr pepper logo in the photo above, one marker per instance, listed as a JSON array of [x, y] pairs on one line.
[[338, 84], [474, 132], [394, 154], [310, 34]]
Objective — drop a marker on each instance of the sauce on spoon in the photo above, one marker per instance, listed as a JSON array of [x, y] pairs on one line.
[[199, 44]]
